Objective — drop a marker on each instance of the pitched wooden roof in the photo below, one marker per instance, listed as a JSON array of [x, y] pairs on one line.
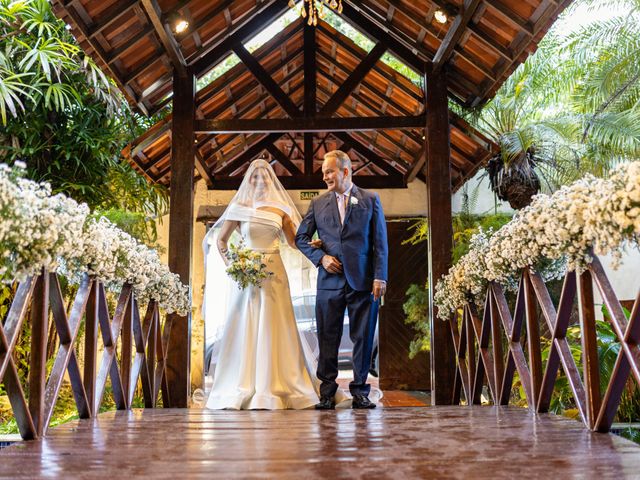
[[480, 45], [237, 94]]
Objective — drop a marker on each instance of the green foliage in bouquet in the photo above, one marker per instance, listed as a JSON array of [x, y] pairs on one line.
[[246, 266]]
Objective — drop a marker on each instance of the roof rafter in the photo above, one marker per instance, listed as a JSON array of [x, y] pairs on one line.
[[455, 32], [212, 55], [368, 153], [407, 54], [354, 79], [171, 48], [266, 80]]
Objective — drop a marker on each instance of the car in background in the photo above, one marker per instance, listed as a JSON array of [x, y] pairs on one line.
[[304, 309]]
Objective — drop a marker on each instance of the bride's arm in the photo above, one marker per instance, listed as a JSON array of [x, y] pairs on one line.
[[289, 230], [223, 237]]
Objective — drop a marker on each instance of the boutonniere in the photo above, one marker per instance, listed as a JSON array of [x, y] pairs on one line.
[[354, 200]]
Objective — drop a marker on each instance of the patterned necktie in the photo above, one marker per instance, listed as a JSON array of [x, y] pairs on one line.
[[342, 207]]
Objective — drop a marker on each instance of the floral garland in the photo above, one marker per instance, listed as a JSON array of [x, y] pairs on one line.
[[556, 232], [39, 230]]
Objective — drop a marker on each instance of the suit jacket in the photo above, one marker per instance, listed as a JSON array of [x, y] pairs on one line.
[[360, 244]]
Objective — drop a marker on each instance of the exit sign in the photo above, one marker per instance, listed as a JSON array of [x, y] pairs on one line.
[[308, 195]]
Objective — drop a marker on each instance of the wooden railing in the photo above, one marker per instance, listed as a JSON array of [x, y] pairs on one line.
[[133, 351], [490, 346]]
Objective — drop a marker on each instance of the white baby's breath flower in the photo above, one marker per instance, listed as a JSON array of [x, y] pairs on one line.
[[554, 233]]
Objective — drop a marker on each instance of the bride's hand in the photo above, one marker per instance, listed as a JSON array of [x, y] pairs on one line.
[[316, 243]]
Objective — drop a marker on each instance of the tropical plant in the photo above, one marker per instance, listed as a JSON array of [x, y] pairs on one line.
[[416, 309], [465, 225], [66, 120], [573, 107]]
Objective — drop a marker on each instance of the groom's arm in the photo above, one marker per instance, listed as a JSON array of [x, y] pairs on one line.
[[380, 244], [305, 232]]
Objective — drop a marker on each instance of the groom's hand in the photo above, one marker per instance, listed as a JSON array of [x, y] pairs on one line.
[[379, 289], [331, 264]]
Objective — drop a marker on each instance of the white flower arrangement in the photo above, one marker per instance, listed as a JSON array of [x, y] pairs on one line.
[[53, 232], [556, 232]]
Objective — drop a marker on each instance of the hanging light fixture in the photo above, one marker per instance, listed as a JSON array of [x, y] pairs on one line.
[[314, 9]]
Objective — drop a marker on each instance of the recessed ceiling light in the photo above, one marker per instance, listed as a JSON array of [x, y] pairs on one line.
[[181, 26], [440, 16]]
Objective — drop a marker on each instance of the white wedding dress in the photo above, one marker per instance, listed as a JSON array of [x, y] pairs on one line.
[[261, 362]]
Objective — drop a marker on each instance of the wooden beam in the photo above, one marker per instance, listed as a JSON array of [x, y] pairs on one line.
[[202, 21], [310, 71], [201, 167], [181, 234], [356, 51], [165, 36], [309, 154], [437, 148], [266, 80], [112, 15], [408, 55], [249, 154], [309, 125], [454, 33], [353, 80], [82, 28], [280, 157], [239, 33], [367, 153], [512, 17], [313, 182], [418, 165]]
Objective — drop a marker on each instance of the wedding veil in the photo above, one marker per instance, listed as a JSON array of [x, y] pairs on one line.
[[260, 187]]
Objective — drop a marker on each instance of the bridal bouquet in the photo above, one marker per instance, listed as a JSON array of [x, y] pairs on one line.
[[246, 266]]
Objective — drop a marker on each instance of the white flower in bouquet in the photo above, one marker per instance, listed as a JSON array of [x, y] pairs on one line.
[[246, 267], [43, 231]]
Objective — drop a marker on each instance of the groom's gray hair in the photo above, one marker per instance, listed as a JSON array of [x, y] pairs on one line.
[[342, 158]]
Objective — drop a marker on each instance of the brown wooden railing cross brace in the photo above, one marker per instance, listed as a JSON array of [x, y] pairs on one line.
[[628, 359], [8, 371], [110, 332], [66, 359]]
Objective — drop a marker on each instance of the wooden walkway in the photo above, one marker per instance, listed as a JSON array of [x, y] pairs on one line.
[[409, 442]]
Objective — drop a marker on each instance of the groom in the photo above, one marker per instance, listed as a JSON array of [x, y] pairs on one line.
[[352, 274]]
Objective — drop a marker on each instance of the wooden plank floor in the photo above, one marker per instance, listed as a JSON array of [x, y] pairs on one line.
[[412, 442]]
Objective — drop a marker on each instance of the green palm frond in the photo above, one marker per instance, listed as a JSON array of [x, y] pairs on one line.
[[59, 96], [12, 86]]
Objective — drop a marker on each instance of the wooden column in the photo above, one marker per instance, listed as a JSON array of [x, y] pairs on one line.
[[38, 358], [437, 149], [181, 233]]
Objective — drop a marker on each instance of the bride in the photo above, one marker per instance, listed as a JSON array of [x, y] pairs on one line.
[[261, 362]]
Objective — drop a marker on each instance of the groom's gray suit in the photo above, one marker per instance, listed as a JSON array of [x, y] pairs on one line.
[[360, 244]]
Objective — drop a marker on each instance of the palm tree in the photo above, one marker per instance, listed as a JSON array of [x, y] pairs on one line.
[[572, 108]]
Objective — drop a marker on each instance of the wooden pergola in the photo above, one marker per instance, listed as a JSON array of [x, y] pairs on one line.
[[306, 91]]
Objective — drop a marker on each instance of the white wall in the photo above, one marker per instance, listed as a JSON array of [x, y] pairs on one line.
[[486, 202], [625, 280]]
